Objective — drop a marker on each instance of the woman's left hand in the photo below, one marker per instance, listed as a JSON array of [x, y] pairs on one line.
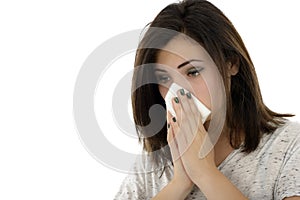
[[190, 135]]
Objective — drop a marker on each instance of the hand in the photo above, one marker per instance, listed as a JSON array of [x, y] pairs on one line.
[[189, 136], [180, 175]]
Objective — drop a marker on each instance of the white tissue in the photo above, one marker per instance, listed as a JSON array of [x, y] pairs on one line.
[[204, 111]]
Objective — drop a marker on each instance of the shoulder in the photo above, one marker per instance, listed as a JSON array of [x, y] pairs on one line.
[[289, 133], [290, 129], [274, 150], [284, 137], [146, 178], [287, 141], [281, 147], [272, 170]]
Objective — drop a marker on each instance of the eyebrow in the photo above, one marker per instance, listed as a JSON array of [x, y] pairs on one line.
[[181, 65], [187, 62]]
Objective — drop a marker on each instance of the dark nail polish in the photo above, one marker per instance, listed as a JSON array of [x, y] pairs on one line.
[[174, 119], [176, 100], [168, 125], [189, 96], [181, 91]]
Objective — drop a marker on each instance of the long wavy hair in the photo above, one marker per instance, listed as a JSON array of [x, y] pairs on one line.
[[247, 117]]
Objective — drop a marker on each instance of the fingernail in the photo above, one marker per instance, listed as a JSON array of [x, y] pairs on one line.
[[168, 125], [176, 100], [174, 119], [181, 91], [189, 96]]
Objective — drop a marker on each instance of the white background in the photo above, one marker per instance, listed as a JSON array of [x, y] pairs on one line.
[[42, 47]]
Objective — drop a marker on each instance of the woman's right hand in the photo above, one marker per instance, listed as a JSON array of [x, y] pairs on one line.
[[181, 185], [180, 176]]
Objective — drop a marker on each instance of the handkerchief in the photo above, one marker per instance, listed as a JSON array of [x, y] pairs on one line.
[[204, 111]]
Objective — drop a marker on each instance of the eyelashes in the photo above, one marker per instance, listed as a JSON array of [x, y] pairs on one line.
[[164, 77], [194, 71]]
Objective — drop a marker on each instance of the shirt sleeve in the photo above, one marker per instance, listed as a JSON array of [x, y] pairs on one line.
[[148, 180], [131, 188], [288, 183]]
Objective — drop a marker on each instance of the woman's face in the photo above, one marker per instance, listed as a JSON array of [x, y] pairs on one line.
[[187, 64]]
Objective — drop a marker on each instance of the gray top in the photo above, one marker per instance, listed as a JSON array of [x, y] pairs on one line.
[[272, 171]]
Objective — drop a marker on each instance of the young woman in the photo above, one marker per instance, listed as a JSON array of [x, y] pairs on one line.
[[257, 152]]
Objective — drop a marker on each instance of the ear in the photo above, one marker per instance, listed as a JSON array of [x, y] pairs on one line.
[[233, 69]]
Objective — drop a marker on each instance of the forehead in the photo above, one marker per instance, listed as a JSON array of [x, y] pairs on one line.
[[181, 49]]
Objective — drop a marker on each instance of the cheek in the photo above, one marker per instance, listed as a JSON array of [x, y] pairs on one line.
[[162, 90], [201, 92], [199, 89]]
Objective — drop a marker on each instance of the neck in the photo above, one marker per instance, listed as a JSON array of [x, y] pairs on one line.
[[222, 148]]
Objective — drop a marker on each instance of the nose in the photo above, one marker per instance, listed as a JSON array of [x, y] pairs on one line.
[[165, 89], [179, 80]]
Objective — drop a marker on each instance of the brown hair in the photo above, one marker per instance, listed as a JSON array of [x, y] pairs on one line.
[[206, 24]]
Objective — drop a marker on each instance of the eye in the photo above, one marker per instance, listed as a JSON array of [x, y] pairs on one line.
[[194, 71], [162, 79]]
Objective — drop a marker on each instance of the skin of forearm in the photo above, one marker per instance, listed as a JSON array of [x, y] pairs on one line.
[[174, 190], [215, 186]]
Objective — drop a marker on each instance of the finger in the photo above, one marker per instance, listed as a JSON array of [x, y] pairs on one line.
[[196, 113], [169, 130], [177, 109], [184, 127], [187, 127], [201, 137], [171, 140], [183, 100], [188, 118], [180, 136]]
